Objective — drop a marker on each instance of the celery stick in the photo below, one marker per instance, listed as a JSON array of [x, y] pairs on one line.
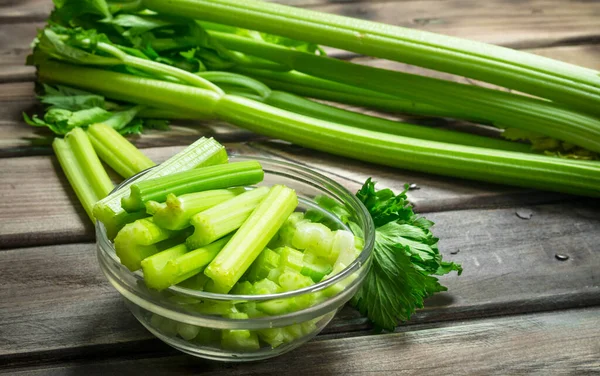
[[179, 265], [82, 168], [203, 152], [175, 213], [224, 218], [199, 179], [138, 240], [252, 237], [116, 151], [264, 263]]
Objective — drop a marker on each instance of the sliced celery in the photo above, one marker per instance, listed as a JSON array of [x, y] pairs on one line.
[[239, 340], [265, 287], [116, 151], [344, 247], [187, 331], [252, 237], [224, 218], [314, 267], [177, 264], [82, 168], [199, 179], [175, 213], [138, 240], [264, 263], [291, 258], [203, 152]]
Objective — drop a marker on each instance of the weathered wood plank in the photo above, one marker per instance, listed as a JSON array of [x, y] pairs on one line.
[[54, 299], [37, 205]]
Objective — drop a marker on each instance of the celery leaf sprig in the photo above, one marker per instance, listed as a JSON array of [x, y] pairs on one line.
[[405, 260]]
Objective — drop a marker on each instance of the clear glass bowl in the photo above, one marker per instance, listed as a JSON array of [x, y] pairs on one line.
[[193, 321]]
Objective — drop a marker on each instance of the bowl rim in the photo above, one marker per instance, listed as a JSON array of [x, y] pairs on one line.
[[311, 175]]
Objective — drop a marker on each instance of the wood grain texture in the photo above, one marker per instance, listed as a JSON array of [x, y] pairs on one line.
[[54, 300]]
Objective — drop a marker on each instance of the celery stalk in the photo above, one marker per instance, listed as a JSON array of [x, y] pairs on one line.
[[177, 264], [561, 82], [116, 151], [224, 218], [175, 213], [203, 152], [252, 237], [264, 263], [82, 168], [199, 179], [138, 240]]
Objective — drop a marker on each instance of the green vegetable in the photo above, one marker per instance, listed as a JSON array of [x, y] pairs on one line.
[[224, 218], [251, 238], [561, 82], [203, 152], [116, 151], [139, 240], [82, 168], [195, 180], [264, 263], [176, 211]]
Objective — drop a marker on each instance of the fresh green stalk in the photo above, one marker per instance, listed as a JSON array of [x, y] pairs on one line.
[[196, 180], [264, 263], [561, 82], [332, 114], [80, 164], [175, 213], [138, 240], [116, 151], [497, 166], [248, 242], [235, 79], [520, 169], [497, 107], [177, 264], [224, 218], [203, 152]]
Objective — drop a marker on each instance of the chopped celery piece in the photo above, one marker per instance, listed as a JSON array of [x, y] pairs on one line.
[[178, 264], [214, 307], [82, 168], [344, 246], [291, 258], [274, 336], [116, 151], [239, 340], [164, 325], [138, 240], [265, 287], [196, 282], [264, 263], [337, 288], [207, 336], [315, 267], [242, 288], [225, 217], [203, 152], [290, 281], [315, 238], [277, 306], [196, 180], [252, 237], [187, 331], [175, 213], [287, 231]]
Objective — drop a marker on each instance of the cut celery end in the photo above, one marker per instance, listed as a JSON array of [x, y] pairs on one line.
[[291, 258], [252, 237], [315, 238], [207, 336], [203, 152], [116, 151], [176, 212], [153, 266], [277, 306], [344, 246], [190, 181], [242, 288], [187, 331], [265, 287], [239, 340], [195, 282], [337, 288], [209, 307], [164, 325], [288, 229], [139, 240], [264, 263], [224, 218], [275, 337], [316, 272], [290, 281]]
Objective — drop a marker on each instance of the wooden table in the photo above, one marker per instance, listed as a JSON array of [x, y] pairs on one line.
[[517, 308]]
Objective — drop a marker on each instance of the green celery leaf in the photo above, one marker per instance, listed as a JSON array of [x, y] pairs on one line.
[[71, 9], [137, 25], [71, 99]]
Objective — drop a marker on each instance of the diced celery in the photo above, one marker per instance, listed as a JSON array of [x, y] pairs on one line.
[[291, 258], [176, 212], [277, 306], [243, 288], [195, 282], [274, 336], [239, 340], [139, 240], [344, 246], [265, 286], [295, 331], [190, 181], [187, 331], [224, 218], [164, 325], [207, 336], [290, 281], [315, 267], [315, 238], [264, 263], [252, 237], [288, 229], [337, 288], [214, 307], [181, 265], [203, 152]]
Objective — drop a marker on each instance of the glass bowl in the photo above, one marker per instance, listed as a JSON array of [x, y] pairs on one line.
[[202, 324]]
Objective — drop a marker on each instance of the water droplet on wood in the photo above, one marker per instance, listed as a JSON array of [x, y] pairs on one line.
[[561, 257], [524, 213]]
